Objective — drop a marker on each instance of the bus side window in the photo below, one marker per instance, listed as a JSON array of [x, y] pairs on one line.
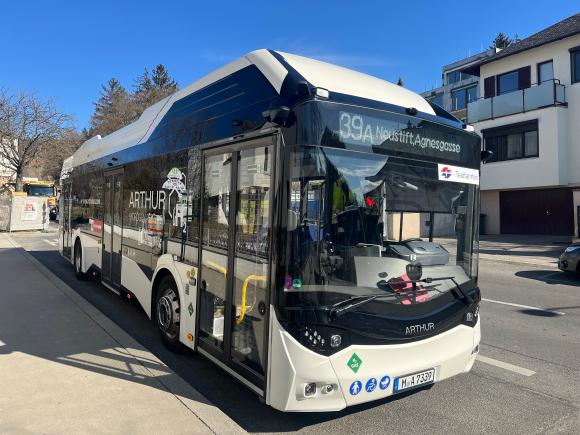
[[193, 212]]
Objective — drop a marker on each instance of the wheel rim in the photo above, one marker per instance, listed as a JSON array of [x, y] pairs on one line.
[[168, 313], [77, 260]]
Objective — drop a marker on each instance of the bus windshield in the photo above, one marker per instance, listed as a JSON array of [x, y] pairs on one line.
[[363, 223]]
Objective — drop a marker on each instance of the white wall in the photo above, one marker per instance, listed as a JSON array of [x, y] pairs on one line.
[[558, 127], [549, 169], [490, 208], [573, 98], [556, 51], [576, 200]]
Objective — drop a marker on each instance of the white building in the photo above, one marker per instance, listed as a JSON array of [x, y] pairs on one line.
[[529, 117], [460, 84]]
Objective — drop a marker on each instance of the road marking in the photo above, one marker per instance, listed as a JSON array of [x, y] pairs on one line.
[[50, 242], [505, 366], [524, 306]]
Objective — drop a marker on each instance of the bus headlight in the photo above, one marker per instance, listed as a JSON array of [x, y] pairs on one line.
[[321, 339], [470, 318], [310, 389], [335, 340]]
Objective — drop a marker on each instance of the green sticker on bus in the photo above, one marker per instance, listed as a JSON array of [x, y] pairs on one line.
[[354, 362], [190, 309]]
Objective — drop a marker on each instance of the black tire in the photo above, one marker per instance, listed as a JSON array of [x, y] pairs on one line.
[[77, 261], [168, 314]]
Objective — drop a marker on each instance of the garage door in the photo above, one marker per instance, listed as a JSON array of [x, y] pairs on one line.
[[547, 211]]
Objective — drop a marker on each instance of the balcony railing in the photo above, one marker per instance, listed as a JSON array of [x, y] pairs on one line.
[[548, 93]]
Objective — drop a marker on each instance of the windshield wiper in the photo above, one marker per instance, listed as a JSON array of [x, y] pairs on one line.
[[342, 307], [457, 286], [346, 305], [427, 280]]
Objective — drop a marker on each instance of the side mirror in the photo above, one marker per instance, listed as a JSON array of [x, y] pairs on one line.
[[486, 155], [277, 116]]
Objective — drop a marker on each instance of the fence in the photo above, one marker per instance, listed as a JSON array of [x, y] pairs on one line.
[[20, 213]]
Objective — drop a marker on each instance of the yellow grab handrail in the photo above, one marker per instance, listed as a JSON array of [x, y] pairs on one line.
[[261, 278], [217, 267]]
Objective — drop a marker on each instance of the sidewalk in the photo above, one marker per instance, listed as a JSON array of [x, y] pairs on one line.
[[522, 249], [66, 368]]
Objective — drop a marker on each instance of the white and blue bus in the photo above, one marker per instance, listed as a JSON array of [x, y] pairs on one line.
[[310, 229]]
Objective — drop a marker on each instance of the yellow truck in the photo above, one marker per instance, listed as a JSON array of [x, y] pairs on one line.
[[43, 188]]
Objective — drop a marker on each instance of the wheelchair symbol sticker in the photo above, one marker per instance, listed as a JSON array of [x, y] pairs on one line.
[[371, 385]]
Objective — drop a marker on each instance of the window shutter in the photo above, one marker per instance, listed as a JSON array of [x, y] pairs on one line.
[[524, 80], [489, 87]]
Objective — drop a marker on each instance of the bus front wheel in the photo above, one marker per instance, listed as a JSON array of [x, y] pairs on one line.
[[78, 261], [168, 312]]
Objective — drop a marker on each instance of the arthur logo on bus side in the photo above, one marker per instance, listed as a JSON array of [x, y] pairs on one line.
[[172, 203], [176, 184]]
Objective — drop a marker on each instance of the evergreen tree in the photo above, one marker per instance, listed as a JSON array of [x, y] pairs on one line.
[[501, 41], [400, 82], [113, 110], [117, 107], [152, 88], [144, 84], [144, 95], [162, 80]]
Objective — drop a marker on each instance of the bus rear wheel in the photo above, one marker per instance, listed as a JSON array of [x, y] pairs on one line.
[[78, 261], [168, 313]]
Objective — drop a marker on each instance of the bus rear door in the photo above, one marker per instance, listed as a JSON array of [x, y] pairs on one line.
[[112, 229]]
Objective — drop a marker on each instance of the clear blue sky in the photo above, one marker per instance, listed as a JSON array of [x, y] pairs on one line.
[[65, 50]]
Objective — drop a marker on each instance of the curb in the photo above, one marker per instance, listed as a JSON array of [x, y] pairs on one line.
[[202, 408]]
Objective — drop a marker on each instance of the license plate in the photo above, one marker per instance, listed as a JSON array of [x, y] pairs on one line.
[[411, 381]]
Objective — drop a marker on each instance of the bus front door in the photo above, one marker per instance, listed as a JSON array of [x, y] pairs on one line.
[[112, 230], [235, 257]]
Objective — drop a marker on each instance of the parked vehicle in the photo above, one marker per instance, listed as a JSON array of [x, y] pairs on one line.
[[570, 259], [44, 188]]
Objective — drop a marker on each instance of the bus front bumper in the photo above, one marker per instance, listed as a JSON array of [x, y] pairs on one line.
[[293, 368]]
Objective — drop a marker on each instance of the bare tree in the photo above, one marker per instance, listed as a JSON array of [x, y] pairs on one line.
[[27, 126], [49, 160]]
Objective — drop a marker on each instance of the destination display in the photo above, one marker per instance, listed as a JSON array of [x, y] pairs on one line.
[[370, 131], [365, 129]]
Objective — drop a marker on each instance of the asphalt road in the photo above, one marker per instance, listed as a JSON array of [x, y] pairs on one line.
[[526, 381]]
